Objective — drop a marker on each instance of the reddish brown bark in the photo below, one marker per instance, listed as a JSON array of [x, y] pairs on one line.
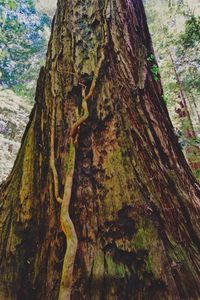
[[134, 204]]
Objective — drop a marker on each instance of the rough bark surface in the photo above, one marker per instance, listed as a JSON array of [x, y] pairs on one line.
[[134, 203]]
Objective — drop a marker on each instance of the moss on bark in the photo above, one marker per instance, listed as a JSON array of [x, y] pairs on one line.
[[134, 202]]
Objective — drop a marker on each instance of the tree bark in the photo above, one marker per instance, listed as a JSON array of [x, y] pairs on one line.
[[134, 203]]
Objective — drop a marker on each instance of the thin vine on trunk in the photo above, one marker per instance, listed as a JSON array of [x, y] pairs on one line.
[[65, 220]]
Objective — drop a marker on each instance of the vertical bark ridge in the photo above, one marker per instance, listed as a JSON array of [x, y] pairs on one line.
[[133, 203]]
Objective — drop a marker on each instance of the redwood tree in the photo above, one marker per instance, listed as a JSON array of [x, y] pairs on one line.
[[101, 203]]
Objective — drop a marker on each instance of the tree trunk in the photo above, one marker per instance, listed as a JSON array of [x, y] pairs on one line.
[[191, 150], [190, 133], [134, 203]]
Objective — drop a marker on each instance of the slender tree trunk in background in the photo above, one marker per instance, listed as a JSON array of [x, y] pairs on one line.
[[191, 150], [190, 95], [190, 130], [134, 202], [195, 106]]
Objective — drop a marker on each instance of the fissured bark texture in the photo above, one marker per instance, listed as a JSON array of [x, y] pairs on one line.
[[134, 204]]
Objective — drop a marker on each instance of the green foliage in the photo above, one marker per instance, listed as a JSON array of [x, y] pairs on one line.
[[188, 54], [197, 174], [151, 57], [191, 34], [155, 71], [154, 67], [165, 98], [22, 44]]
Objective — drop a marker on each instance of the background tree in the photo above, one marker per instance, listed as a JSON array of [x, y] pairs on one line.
[[174, 27], [100, 137]]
